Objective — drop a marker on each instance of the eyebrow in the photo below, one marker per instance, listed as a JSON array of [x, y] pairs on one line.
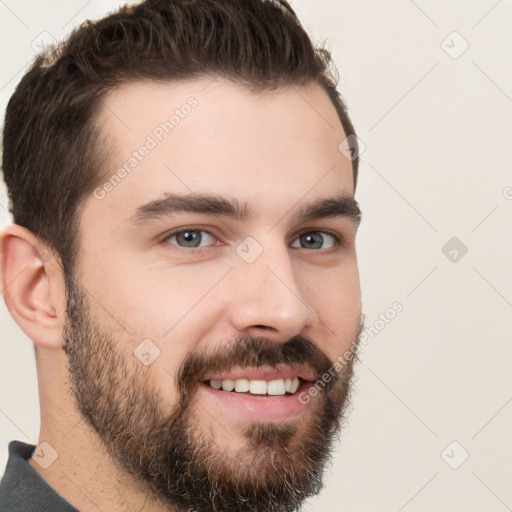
[[335, 206]]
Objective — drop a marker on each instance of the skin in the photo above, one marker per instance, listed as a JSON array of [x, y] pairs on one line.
[[276, 151]]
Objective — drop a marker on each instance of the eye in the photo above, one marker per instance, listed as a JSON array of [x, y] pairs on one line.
[[315, 240], [190, 238], [196, 238]]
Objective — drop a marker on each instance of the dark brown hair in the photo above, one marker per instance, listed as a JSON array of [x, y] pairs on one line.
[[53, 153]]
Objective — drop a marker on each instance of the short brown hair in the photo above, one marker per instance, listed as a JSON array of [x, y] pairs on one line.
[[53, 154]]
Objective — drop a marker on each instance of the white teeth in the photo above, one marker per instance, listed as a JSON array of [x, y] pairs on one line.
[[217, 384], [258, 387], [276, 387], [228, 385], [295, 385], [242, 385]]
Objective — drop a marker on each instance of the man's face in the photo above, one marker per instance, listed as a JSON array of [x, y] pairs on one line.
[[177, 294]]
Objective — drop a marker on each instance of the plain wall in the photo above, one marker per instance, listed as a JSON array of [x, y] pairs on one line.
[[437, 128]]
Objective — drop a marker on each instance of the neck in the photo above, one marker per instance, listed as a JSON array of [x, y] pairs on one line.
[[83, 472]]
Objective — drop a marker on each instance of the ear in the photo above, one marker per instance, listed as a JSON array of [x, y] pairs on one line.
[[32, 286]]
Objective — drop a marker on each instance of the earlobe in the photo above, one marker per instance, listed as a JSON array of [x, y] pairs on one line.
[[30, 295]]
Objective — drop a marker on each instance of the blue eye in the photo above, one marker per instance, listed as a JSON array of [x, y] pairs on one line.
[[190, 238], [200, 238], [315, 239]]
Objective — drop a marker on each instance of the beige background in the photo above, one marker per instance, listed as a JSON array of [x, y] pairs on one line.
[[437, 129]]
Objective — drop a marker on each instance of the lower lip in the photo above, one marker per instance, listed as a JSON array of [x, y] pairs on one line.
[[261, 408]]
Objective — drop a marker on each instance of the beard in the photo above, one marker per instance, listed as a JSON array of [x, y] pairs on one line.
[[167, 455]]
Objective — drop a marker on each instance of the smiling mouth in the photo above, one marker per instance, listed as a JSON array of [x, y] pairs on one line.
[[258, 387]]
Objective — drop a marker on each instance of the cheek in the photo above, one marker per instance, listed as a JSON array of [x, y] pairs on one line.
[[335, 296], [147, 299]]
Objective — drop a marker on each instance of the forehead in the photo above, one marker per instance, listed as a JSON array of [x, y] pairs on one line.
[[269, 149]]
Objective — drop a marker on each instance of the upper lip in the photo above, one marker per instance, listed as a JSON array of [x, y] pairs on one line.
[[264, 373]]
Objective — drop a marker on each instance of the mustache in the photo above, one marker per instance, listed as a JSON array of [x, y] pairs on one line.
[[254, 352]]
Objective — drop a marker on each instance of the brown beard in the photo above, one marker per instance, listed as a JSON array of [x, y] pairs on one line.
[[282, 464]]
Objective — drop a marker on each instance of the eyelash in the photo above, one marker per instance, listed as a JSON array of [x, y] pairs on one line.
[[338, 240]]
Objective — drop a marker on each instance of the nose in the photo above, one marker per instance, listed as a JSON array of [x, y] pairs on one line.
[[266, 298]]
